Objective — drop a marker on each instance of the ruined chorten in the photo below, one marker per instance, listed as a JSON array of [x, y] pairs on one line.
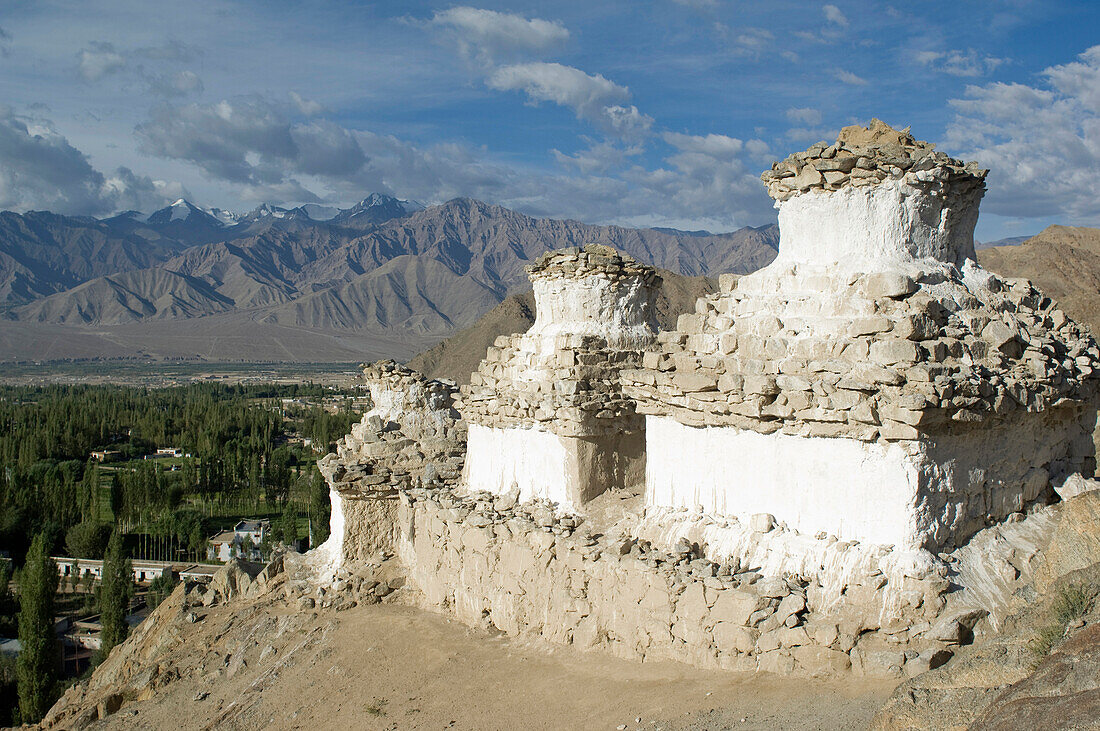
[[873, 383], [410, 437], [546, 415]]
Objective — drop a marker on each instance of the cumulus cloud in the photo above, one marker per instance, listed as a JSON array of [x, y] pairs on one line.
[[1041, 143], [251, 141], [486, 34], [591, 96], [833, 15], [307, 107], [849, 78], [98, 60], [960, 63], [155, 66], [804, 115], [40, 169]]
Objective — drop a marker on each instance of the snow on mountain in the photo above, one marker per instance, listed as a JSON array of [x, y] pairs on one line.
[[182, 210], [319, 212]]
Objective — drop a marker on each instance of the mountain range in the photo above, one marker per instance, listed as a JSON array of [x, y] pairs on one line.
[[383, 278]]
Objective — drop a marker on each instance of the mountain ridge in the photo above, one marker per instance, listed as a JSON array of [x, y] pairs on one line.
[[384, 267]]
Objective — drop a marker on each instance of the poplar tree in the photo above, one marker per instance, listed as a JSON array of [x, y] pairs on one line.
[[36, 669], [116, 588]]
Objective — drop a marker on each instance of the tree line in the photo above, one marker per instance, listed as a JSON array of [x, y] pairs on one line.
[[55, 499]]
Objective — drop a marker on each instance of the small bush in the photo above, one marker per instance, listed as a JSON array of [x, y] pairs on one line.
[[1071, 603]]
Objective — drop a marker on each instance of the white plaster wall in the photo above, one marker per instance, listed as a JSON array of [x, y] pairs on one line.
[[851, 489], [534, 461], [328, 557], [623, 312], [890, 222]]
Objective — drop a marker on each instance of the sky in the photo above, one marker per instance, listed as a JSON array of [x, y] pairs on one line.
[[633, 112]]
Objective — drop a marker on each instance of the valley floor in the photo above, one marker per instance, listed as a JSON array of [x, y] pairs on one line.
[[390, 666]]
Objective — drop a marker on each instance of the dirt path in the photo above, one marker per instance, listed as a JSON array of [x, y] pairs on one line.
[[397, 667]]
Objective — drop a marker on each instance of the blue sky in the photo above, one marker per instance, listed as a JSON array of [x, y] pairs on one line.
[[659, 112]]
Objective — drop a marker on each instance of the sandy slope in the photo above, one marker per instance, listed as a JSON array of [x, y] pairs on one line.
[[263, 663]]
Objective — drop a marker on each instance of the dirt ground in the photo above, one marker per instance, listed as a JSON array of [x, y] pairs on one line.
[[391, 666]]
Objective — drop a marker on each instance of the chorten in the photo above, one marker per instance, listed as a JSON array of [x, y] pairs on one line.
[[546, 415], [873, 383]]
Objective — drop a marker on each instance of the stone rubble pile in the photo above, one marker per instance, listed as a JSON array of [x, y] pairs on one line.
[[416, 437], [862, 157], [566, 382], [885, 357]]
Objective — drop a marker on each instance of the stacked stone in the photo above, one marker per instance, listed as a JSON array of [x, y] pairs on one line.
[[879, 338], [564, 380], [411, 436], [891, 357], [592, 587], [868, 156]]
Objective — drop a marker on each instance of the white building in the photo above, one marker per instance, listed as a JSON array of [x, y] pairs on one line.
[[243, 541]]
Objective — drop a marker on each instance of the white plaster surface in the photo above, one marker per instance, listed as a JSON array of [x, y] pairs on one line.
[[929, 494], [835, 564], [621, 311], [867, 228], [851, 489], [533, 461], [328, 557]]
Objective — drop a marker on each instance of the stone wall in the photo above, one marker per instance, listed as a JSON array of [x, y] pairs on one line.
[[529, 571]]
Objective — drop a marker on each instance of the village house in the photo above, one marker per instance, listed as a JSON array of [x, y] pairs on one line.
[[243, 541]]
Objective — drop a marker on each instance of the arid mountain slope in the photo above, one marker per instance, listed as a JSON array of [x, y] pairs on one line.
[[1063, 261], [384, 267]]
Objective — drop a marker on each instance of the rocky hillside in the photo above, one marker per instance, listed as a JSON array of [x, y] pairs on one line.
[[1063, 261], [383, 268], [1042, 671]]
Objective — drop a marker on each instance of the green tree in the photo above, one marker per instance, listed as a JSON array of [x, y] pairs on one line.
[[87, 540], [288, 525], [116, 589], [36, 671], [8, 607]]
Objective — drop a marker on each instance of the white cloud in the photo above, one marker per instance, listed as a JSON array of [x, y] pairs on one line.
[[591, 97], [251, 141], [40, 169], [805, 115], [99, 60], [155, 66], [487, 34], [833, 15], [960, 63], [747, 40], [307, 107], [849, 78], [1041, 143]]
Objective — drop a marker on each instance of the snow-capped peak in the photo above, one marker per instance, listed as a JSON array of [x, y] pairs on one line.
[[226, 218]]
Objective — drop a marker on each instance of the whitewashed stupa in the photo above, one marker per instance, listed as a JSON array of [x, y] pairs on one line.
[[873, 383], [545, 413]]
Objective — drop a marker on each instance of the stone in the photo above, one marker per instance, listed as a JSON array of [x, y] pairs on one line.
[[762, 522], [895, 350], [735, 607], [820, 661], [732, 637], [881, 285]]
